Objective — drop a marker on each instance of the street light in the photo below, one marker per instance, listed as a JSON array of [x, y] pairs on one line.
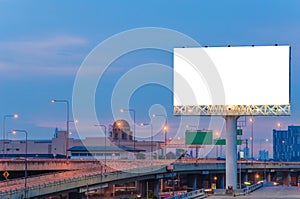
[[101, 125], [75, 122], [133, 111], [215, 180], [264, 153], [279, 125], [252, 148], [25, 178], [218, 134], [4, 130], [191, 128], [67, 133], [165, 128], [263, 140], [151, 140]]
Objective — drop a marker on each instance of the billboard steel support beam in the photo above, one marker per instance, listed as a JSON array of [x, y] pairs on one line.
[[231, 155]]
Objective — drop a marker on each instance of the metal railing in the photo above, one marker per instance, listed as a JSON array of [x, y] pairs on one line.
[[45, 187], [251, 188], [200, 193]]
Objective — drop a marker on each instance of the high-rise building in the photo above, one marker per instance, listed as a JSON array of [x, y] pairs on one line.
[[263, 155], [286, 144]]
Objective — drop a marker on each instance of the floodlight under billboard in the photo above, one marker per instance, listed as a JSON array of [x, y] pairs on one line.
[[232, 81]]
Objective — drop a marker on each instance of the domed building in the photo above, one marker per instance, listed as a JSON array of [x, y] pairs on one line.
[[121, 131]]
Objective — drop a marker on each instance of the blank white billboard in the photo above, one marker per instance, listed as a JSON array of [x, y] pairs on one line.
[[258, 75]]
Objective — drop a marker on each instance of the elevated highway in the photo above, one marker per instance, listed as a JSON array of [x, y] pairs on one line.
[[93, 175], [68, 165]]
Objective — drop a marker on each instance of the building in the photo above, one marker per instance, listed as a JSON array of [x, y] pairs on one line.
[[102, 152], [263, 155], [286, 144], [120, 136]]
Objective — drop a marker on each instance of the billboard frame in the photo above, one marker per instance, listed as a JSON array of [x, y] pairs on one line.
[[238, 110]]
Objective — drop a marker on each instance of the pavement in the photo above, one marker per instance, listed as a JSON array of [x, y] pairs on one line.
[[268, 192]]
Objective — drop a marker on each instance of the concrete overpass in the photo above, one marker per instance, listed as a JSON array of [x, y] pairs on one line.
[[94, 177], [45, 164]]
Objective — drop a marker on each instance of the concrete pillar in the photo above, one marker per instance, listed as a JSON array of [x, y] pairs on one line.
[[289, 179], [222, 181], [269, 177], [194, 182], [136, 184], [114, 190], [142, 187], [231, 153], [246, 177], [75, 195], [147, 189], [108, 191], [156, 187]]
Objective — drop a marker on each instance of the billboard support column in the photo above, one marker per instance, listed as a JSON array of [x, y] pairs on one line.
[[231, 156]]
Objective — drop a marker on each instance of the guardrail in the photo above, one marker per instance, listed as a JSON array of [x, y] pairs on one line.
[[189, 195], [251, 188], [76, 182]]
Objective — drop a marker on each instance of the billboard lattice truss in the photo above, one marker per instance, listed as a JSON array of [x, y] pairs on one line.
[[235, 110]]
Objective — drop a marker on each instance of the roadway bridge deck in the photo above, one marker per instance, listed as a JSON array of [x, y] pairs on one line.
[[66, 165], [122, 171], [75, 180]]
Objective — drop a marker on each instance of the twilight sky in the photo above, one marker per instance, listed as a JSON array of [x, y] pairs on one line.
[[44, 43]]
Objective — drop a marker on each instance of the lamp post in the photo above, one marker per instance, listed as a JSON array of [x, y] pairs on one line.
[[133, 111], [25, 178], [151, 140], [165, 130], [264, 156], [217, 148], [191, 128], [215, 180], [279, 125], [263, 140], [252, 121], [103, 126], [4, 130], [67, 123], [75, 122], [240, 177], [257, 177]]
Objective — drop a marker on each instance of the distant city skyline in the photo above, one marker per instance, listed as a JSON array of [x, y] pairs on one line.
[[43, 44]]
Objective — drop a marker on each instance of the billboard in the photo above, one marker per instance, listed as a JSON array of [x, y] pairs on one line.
[[248, 80]]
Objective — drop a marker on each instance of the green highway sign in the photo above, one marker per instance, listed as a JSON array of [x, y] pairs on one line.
[[198, 137]]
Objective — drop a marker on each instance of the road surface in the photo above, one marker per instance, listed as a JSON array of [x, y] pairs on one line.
[[269, 192]]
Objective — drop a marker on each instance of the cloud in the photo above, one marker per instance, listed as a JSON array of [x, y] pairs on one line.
[[10, 70], [43, 44], [54, 124], [59, 55]]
